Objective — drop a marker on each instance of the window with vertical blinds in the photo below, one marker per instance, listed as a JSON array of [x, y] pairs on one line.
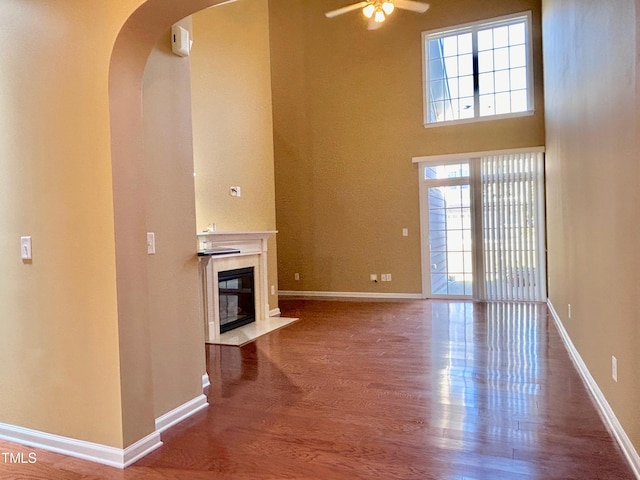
[[513, 226]]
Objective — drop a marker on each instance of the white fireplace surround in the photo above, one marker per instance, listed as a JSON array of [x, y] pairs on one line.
[[252, 248]]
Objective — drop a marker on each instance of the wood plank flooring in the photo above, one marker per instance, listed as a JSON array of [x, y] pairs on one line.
[[387, 390]]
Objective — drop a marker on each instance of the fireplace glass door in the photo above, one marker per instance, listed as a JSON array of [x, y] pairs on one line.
[[237, 298]]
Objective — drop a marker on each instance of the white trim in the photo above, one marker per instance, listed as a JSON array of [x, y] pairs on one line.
[[141, 448], [275, 312], [372, 295], [486, 118], [605, 409], [180, 413], [492, 22], [454, 157], [425, 231], [425, 262], [93, 452], [473, 28], [103, 454], [205, 381], [235, 236]]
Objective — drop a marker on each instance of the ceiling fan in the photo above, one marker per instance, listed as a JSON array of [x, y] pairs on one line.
[[378, 10]]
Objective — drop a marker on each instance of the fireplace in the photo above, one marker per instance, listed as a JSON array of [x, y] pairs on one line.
[[236, 298], [241, 250]]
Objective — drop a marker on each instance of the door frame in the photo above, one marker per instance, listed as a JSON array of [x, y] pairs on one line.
[[476, 199], [425, 250]]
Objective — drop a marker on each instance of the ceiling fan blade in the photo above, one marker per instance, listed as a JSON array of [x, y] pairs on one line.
[[347, 9], [419, 7]]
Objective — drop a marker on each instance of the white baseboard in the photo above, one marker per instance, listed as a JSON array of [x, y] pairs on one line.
[[180, 413], [275, 312], [141, 448], [104, 454], [93, 452], [366, 295], [605, 409], [205, 381]]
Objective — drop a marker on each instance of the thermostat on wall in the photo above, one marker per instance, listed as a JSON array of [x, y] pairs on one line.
[[180, 41]]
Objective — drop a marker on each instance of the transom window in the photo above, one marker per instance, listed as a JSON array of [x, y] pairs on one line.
[[478, 70]]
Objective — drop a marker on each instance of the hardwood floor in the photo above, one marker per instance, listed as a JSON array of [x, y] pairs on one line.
[[389, 390]]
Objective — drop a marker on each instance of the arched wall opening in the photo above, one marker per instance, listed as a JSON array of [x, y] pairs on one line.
[[142, 400]]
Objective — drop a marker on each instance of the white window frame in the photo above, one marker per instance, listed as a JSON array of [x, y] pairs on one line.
[[473, 28]]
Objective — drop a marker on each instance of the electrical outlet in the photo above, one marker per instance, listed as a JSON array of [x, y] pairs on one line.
[[388, 277], [614, 368], [405, 232], [373, 277], [235, 191], [273, 289], [296, 276]]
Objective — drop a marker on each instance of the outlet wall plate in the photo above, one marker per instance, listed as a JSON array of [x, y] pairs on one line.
[[151, 243], [25, 248]]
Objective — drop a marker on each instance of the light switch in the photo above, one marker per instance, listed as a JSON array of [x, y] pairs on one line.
[[405, 232], [151, 243], [25, 248]]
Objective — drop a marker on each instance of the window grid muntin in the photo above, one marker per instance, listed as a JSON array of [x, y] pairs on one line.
[[502, 69], [452, 93], [509, 35]]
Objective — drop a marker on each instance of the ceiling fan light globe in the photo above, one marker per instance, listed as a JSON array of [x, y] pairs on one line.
[[379, 16], [369, 10], [388, 7]]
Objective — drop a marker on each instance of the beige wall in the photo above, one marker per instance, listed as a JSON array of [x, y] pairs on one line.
[[232, 118], [348, 118], [75, 341], [175, 323], [591, 80], [58, 334]]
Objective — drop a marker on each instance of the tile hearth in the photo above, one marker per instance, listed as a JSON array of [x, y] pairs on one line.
[[248, 333]]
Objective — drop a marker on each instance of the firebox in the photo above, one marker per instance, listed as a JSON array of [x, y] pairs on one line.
[[237, 298]]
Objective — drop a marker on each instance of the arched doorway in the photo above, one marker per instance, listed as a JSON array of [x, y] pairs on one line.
[[142, 400]]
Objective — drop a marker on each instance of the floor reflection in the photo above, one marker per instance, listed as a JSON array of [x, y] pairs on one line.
[[238, 365], [396, 390], [488, 365]]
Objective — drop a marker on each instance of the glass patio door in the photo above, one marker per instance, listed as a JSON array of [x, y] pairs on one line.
[[449, 222], [482, 226]]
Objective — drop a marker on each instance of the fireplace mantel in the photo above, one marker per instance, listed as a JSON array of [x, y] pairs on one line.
[[233, 236], [250, 251]]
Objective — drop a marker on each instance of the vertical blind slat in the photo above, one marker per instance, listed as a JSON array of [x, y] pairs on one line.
[[513, 231]]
